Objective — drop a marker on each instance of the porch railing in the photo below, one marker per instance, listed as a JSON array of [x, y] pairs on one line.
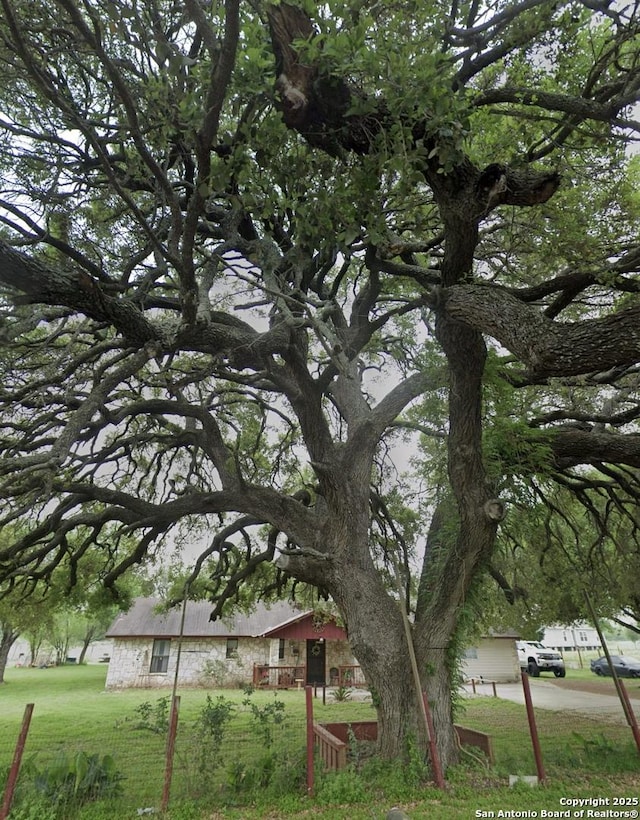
[[289, 677], [279, 677], [351, 676]]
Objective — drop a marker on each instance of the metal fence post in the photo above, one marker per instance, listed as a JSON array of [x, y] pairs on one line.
[[535, 740], [310, 755], [15, 764], [171, 746]]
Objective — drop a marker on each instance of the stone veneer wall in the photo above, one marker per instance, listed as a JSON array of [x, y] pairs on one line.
[[339, 654], [203, 661]]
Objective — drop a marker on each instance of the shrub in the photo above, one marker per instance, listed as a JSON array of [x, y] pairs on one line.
[[266, 718], [70, 781], [80, 777], [344, 786], [210, 731], [154, 718], [341, 694], [274, 774]]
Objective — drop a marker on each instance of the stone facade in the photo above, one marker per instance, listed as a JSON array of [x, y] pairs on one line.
[[224, 652], [204, 661]]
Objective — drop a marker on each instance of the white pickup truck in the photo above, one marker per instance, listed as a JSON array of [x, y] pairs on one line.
[[535, 657]]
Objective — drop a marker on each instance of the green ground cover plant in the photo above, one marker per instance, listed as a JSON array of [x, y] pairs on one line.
[[257, 760]]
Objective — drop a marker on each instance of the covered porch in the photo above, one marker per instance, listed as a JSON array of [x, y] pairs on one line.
[[290, 677], [309, 649]]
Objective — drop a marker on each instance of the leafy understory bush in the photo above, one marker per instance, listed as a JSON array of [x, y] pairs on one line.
[[275, 775], [345, 786], [210, 730], [266, 718], [265, 766], [155, 718], [69, 781]]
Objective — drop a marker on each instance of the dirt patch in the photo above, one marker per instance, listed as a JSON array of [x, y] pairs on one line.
[[597, 686]]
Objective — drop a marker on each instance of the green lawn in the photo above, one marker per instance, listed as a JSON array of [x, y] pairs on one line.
[[257, 771]]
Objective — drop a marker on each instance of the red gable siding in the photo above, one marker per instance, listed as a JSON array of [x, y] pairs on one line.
[[308, 629]]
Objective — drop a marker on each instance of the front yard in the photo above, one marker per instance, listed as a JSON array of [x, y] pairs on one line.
[[236, 758]]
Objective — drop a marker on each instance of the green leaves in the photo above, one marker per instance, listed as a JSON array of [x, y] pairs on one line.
[[77, 779]]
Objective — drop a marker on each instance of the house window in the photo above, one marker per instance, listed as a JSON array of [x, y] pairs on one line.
[[160, 656], [232, 647], [281, 649], [583, 636]]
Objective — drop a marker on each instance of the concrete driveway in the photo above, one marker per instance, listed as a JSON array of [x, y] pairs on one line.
[[547, 696]]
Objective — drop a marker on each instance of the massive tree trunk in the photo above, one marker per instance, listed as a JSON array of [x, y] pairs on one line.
[[375, 627], [373, 617], [378, 639], [376, 636]]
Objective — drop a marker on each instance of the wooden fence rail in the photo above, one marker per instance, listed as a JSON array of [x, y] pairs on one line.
[[332, 750], [332, 740]]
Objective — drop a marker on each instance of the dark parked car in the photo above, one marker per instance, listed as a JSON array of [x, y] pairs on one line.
[[625, 667]]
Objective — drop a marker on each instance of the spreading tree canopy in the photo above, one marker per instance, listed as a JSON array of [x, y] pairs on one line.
[[252, 254]]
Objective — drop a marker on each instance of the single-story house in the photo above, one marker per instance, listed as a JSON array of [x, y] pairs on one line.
[[275, 645], [493, 658]]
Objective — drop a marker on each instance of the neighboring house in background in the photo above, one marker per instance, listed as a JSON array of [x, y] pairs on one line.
[[276, 645], [20, 654], [574, 637], [494, 658]]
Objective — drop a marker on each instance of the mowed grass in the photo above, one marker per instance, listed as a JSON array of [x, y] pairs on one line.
[[584, 758]]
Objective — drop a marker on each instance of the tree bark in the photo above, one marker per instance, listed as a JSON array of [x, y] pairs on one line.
[[377, 639], [548, 348], [86, 643], [9, 637]]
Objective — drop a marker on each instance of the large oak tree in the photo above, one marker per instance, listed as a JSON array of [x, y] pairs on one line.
[[246, 247]]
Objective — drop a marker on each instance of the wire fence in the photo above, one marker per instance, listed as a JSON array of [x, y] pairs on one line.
[[227, 746], [96, 754]]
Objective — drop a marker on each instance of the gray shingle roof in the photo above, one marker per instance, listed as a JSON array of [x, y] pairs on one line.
[[143, 619]]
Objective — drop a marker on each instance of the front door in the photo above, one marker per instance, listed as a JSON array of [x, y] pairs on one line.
[[316, 658]]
